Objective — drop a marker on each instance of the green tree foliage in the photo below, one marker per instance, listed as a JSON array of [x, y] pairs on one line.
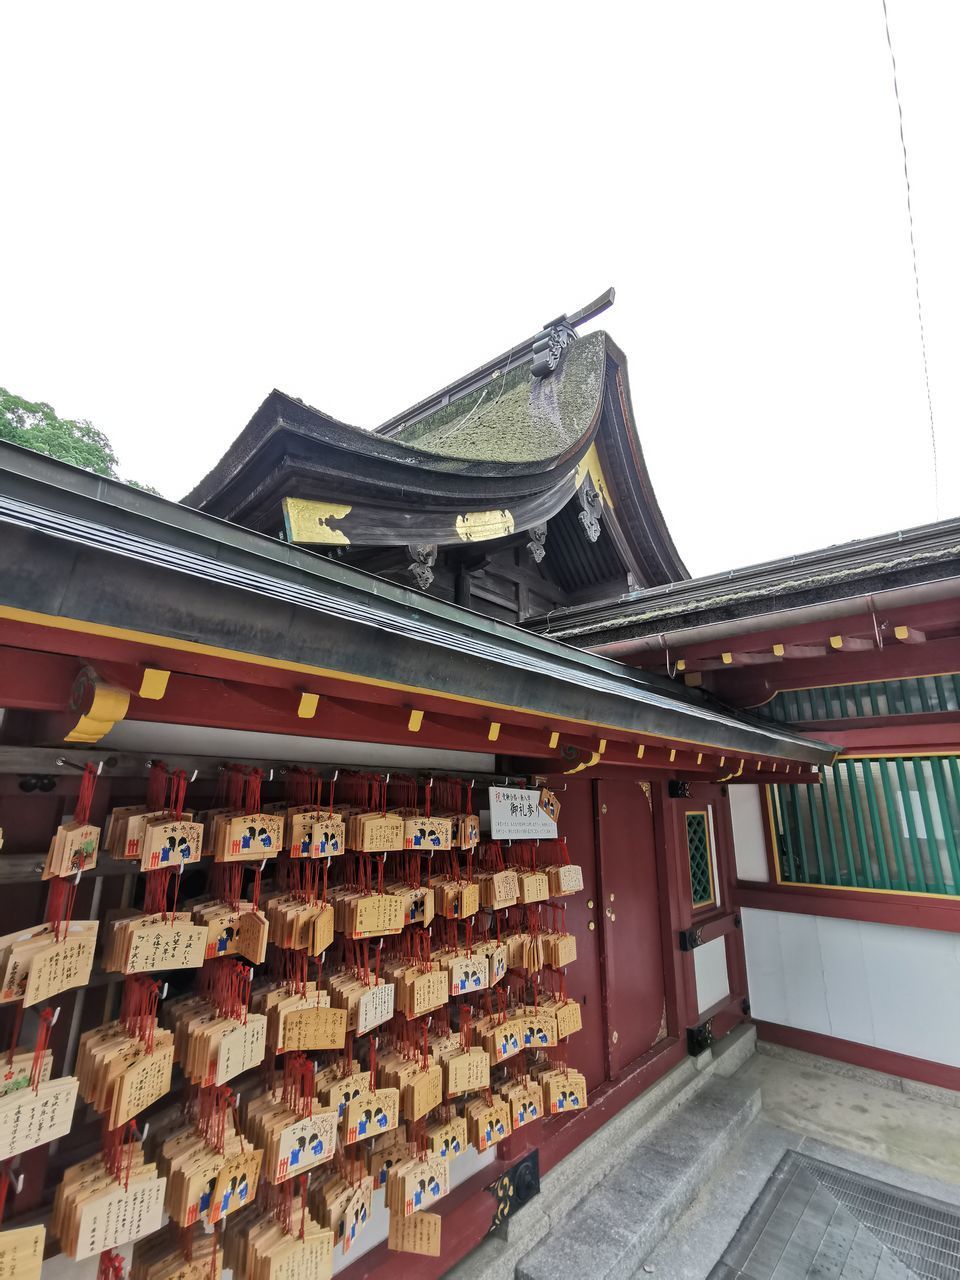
[[37, 426]]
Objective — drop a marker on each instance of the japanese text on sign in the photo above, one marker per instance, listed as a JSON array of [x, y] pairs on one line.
[[515, 814]]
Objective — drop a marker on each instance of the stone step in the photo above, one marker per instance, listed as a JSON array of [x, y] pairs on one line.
[[616, 1225]]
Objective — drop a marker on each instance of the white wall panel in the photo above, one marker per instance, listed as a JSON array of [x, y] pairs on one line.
[[877, 984], [766, 982], [710, 966], [845, 980], [803, 973], [914, 982], [746, 814]]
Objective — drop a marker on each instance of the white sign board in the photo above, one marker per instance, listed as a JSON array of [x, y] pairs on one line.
[[515, 814]]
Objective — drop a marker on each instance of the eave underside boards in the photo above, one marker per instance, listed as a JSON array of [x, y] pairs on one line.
[[502, 579], [80, 574], [577, 565]]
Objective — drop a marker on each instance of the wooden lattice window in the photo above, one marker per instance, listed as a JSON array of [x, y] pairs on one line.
[[876, 822], [701, 860]]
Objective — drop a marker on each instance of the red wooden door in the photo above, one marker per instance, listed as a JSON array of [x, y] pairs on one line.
[[583, 980], [629, 919]]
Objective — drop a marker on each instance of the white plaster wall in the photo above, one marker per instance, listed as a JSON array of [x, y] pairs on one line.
[[876, 984], [746, 814], [710, 966]]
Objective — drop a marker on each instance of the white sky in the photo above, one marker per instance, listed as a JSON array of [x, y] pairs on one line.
[[358, 203]]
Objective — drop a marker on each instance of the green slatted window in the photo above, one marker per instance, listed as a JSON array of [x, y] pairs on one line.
[[882, 823], [701, 860], [918, 695]]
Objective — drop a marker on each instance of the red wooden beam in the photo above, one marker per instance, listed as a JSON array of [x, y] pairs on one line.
[[728, 659], [850, 644], [221, 691], [892, 662], [799, 652], [892, 738], [862, 1055], [913, 911], [36, 681], [931, 617]]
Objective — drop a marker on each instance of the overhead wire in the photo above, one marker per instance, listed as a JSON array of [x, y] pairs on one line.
[[916, 271]]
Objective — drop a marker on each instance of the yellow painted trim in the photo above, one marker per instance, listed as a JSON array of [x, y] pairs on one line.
[[482, 526], [493, 733], [849, 888], [584, 764], [727, 658], [901, 633], [415, 721], [835, 888], [153, 683], [80, 626], [897, 755], [712, 900], [589, 465], [308, 521], [554, 740], [779, 650], [601, 746], [727, 776], [681, 664], [110, 704], [836, 642], [307, 708]]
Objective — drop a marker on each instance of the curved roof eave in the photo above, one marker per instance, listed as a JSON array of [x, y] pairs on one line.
[[569, 401], [619, 447]]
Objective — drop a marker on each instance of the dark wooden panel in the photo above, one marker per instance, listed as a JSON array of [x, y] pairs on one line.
[[584, 979], [629, 918]]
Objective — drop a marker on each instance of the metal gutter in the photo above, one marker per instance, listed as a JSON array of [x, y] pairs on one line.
[[909, 559]]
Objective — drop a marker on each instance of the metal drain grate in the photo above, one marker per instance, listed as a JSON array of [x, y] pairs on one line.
[[816, 1219], [924, 1234]]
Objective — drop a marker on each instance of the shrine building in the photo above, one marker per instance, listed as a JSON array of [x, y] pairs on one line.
[[758, 772]]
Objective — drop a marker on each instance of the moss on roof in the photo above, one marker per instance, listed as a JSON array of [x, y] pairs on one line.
[[516, 417]]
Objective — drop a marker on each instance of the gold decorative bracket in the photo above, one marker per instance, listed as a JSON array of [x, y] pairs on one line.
[[100, 706]]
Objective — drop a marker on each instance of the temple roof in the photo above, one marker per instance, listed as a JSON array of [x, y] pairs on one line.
[[908, 564], [517, 417], [544, 432], [93, 560]]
